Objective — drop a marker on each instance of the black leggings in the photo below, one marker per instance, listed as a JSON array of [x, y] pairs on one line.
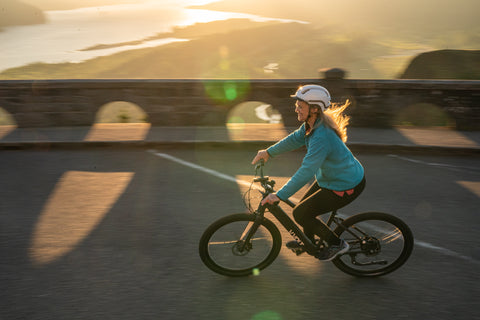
[[317, 201]]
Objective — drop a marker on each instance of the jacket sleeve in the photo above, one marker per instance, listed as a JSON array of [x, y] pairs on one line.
[[291, 142], [316, 154]]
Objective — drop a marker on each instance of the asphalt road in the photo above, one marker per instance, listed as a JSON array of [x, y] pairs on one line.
[[113, 234]]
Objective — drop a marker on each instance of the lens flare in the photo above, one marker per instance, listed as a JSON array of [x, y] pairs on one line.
[[230, 90], [226, 91], [267, 315]]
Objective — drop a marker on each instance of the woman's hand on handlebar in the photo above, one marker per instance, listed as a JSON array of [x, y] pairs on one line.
[[271, 198], [261, 154]]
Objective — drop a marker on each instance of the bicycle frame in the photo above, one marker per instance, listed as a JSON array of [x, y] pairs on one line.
[[367, 234], [282, 217], [292, 228]]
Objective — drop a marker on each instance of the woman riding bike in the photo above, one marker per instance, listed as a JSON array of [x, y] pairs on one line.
[[339, 176]]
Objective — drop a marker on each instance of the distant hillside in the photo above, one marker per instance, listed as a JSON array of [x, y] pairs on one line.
[[215, 52], [74, 4], [445, 64], [240, 48], [406, 16], [15, 13]]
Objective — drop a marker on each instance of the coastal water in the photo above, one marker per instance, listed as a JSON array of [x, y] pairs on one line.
[[68, 32]]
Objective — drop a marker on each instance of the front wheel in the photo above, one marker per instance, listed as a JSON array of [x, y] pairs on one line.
[[379, 244], [228, 246]]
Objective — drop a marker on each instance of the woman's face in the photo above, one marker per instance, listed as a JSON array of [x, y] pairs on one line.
[[302, 110]]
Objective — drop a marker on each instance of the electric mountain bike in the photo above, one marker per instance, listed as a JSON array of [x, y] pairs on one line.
[[242, 244]]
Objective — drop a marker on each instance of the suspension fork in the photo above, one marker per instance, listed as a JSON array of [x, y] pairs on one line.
[[251, 228]]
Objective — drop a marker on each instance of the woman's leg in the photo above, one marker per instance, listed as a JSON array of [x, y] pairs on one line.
[[317, 201], [308, 231]]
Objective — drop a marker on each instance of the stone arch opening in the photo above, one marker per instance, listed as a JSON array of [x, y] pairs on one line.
[[121, 112], [254, 120], [424, 114], [119, 121], [7, 123], [6, 119], [254, 112]]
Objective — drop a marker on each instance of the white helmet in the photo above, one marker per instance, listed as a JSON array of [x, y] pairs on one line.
[[313, 94]]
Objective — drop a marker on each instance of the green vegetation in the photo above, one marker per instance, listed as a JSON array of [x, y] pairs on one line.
[[445, 64]]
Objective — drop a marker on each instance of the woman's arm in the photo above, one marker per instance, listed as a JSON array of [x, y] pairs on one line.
[[317, 152], [291, 142]]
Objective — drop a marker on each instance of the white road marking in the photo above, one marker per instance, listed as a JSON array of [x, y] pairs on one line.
[[435, 164], [200, 168], [223, 176], [445, 251]]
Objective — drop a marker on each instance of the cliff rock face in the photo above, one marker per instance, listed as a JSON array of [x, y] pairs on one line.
[[445, 64], [15, 13]]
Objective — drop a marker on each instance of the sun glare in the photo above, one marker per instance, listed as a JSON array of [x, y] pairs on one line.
[[5, 130], [202, 16], [76, 206], [443, 137], [472, 186], [118, 132]]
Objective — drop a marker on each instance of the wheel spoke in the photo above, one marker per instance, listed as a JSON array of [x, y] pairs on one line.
[[233, 241], [222, 255], [380, 243], [227, 247]]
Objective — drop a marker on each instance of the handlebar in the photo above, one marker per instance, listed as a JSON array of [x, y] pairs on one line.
[[260, 165], [266, 183], [262, 178]]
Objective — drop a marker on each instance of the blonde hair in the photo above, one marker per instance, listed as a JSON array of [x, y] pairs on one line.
[[334, 118]]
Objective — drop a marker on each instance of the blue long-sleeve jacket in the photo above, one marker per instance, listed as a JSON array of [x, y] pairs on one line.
[[327, 158]]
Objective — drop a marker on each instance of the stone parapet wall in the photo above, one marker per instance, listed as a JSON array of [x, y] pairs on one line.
[[375, 103]]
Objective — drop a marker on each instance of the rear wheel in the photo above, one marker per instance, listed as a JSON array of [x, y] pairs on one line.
[[379, 244], [224, 248]]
